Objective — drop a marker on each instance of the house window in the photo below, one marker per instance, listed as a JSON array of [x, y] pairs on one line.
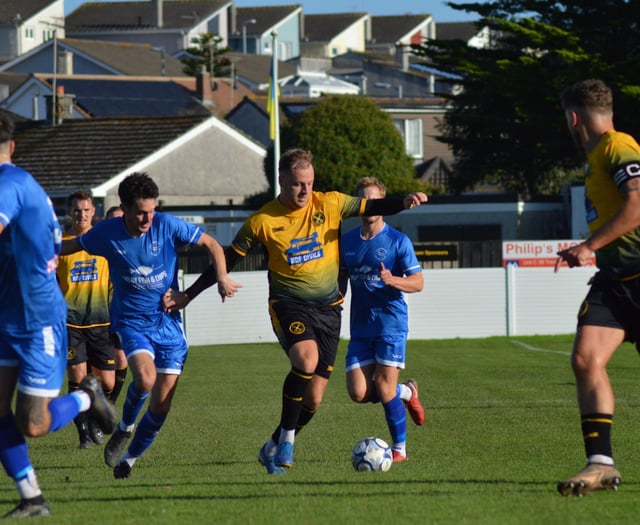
[[411, 131], [28, 33]]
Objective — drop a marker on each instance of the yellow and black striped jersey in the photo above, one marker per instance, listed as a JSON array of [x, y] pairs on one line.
[[302, 245], [84, 281], [614, 160]]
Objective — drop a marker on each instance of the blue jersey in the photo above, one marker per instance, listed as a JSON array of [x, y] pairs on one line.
[[377, 309], [142, 268], [30, 297]]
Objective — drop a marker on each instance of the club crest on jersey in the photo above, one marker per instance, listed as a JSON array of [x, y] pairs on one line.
[[297, 328], [318, 218], [155, 248], [381, 253]]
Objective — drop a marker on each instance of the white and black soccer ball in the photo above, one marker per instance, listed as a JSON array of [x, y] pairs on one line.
[[371, 454]]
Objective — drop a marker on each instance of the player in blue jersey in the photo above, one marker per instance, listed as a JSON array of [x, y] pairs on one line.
[[141, 249], [33, 333], [381, 265]]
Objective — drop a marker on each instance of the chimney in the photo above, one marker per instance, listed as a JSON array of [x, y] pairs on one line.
[[156, 6], [402, 58], [203, 87], [65, 62], [64, 106]]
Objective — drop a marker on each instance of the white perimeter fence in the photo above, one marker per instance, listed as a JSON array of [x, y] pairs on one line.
[[475, 302]]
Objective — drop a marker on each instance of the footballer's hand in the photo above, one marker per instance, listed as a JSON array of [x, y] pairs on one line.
[[385, 275], [173, 300], [227, 287], [414, 199]]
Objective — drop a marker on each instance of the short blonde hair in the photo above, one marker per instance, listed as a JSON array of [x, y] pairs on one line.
[[365, 182]]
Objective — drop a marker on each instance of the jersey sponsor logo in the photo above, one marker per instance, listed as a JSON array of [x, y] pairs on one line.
[[318, 218], [297, 328], [304, 249], [143, 276], [84, 271]]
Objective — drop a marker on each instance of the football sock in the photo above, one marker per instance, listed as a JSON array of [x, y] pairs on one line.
[[146, 432], [305, 416], [404, 392], [121, 375], [293, 391], [596, 431], [394, 412], [64, 409], [14, 454], [133, 403], [286, 435], [28, 486]]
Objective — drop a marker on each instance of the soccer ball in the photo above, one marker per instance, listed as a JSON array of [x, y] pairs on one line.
[[371, 454]]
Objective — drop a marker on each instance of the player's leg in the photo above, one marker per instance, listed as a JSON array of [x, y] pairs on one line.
[[160, 376], [14, 453], [143, 369], [36, 361], [386, 380], [101, 363], [150, 423], [593, 348], [359, 366], [76, 372]]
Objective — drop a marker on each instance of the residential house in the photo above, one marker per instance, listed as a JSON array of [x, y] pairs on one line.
[[79, 57], [255, 26], [25, 24], [391, 34], [196, 160], [469, 32], [110, 96], [331, 35], [171, 25]]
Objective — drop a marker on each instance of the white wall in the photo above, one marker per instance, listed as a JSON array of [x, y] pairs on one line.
[[475, 302]]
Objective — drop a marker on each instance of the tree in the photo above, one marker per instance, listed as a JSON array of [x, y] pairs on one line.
[[506, 124], [350, 138], [205, 52]]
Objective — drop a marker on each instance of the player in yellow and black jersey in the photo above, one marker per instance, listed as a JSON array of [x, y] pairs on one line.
[[84, 280], [610, 313], [300, 231]]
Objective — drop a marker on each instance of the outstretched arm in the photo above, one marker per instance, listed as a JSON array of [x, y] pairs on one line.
[[176, 300], [226, 286], [393, 205]]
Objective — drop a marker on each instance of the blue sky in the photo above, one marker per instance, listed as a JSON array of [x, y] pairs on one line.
[[440, 12]]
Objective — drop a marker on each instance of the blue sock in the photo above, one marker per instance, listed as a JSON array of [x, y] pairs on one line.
[[133, 404], [146, 433], [63, 410], [14, 454], [396, 416]]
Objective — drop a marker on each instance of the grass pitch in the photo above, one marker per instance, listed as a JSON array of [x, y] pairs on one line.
[[502, 428]]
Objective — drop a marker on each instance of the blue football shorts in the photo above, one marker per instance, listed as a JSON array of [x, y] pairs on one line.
[[387, 350], [167, 345], [40, 356]]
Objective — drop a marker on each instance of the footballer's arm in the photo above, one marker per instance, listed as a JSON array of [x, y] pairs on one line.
[[176, 300], [226, 286]]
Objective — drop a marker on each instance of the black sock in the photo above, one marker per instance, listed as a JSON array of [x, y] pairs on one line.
[[596, 432], [293, 392]]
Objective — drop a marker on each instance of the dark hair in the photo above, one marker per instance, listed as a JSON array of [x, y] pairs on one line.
[[79, 195], [293, 159], [591, 94], [112, 210], [137, 186], [7, 126]]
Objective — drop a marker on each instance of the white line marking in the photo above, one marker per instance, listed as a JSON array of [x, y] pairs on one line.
[[534, 349]]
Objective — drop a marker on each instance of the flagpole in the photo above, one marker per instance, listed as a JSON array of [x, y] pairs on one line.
[[276, 113]]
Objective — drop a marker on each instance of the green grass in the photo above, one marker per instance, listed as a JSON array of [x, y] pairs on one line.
[[502, 428]]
